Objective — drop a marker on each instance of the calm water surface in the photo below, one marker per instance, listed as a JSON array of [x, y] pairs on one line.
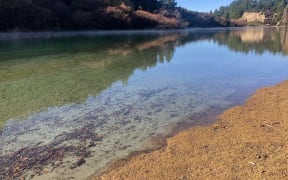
[[71, 103]]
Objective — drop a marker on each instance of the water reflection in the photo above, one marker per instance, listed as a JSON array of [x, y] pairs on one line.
[[256, 40], [98, 98], [29, 85]]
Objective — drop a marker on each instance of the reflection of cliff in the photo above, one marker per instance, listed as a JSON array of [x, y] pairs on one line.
[[256, 40], [250, 39], [162, 43], [248, 35], [158, 42], [29, 85], [284, 40], [285, 43], [252, 35]]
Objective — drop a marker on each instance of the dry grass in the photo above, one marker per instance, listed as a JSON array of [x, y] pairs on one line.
[[162, 20]]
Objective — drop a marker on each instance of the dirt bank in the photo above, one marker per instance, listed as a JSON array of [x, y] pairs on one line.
[[248, 141]]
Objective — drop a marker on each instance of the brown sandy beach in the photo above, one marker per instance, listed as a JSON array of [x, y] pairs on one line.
[[246, 142]]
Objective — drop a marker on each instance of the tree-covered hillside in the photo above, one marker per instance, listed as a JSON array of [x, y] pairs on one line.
[[80, 14], [236, 9]]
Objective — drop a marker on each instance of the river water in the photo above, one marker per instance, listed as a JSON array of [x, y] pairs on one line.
[[72, 103]]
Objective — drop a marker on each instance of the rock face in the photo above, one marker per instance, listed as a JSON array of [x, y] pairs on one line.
[[250, 17], [284, 40], [285, 16]]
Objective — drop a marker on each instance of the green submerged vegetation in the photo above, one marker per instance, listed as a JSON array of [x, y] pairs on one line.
[[28, 85]]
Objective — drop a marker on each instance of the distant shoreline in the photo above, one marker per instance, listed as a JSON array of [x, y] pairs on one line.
[[7, 35]]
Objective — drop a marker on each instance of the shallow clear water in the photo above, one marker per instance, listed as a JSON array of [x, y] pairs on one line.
[[110, 93]]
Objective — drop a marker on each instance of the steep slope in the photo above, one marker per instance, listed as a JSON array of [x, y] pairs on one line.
[[284, 20], [37, 15], [25, 15], [248, 12]]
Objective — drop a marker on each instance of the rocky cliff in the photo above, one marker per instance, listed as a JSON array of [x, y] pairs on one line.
[[266, 18], [284, 20], [250, 17]]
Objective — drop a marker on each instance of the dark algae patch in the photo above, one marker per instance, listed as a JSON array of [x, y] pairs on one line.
[[35, 159]]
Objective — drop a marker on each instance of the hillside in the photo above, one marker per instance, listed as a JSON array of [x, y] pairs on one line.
[[253, 12], [35, 15], [57, 15]]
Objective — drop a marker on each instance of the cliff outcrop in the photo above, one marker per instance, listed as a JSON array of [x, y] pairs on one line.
[[251, 17], [284, 20]]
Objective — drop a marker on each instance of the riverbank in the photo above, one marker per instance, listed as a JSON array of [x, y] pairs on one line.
[[246, 141]]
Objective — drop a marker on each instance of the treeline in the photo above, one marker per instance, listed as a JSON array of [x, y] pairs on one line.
[[236, 9], [152, 5], [147, 5], [198, 19], [77, 14]]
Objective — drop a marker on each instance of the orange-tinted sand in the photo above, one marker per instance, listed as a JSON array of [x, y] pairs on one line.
[[246, 142]]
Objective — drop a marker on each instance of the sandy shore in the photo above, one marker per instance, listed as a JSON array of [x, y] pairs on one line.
[[246, 142]]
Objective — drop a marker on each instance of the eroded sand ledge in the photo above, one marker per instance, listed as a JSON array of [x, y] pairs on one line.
[[248, 141]]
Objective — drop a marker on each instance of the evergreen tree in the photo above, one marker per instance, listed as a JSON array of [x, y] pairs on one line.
[[170, 4], [148, 5], [236, 9]]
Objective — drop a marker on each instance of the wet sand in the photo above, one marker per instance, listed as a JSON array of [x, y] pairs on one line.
[[248, 141]]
